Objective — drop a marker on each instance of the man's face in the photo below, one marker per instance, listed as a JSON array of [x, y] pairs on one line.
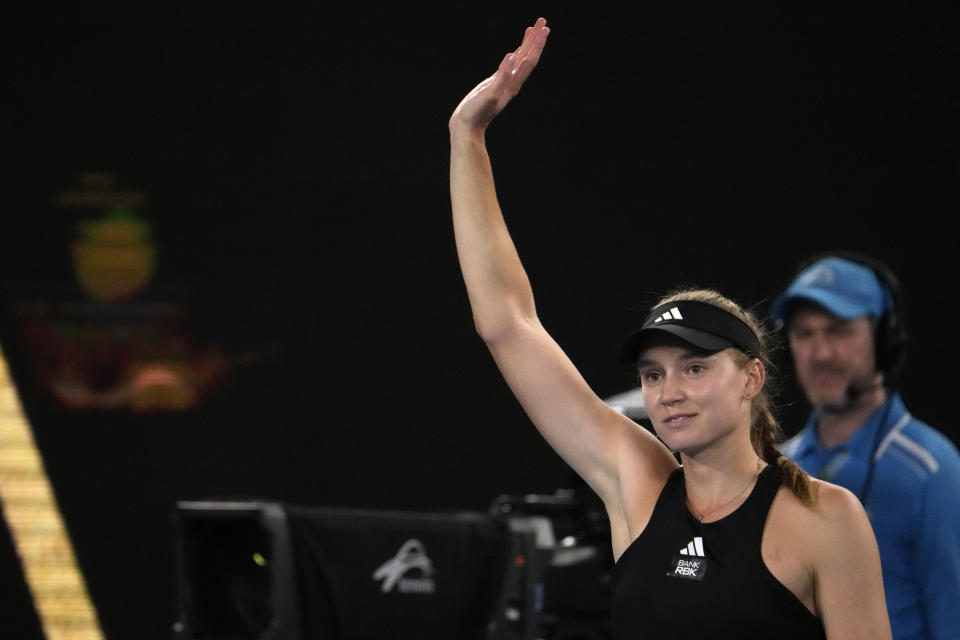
[[831, 355]]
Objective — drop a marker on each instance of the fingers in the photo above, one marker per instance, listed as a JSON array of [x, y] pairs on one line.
[[516, 67], [528, 53], [533, 41], [534, 37]]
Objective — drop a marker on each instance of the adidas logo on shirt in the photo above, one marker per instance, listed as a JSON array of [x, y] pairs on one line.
[[691, 564], [694, 548]]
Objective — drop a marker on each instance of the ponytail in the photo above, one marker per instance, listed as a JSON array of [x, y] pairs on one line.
[[765, 433]]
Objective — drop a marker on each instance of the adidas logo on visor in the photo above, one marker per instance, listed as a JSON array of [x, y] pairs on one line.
[[673, 314]]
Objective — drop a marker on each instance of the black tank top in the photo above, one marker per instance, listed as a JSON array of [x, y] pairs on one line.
[[682, 578]]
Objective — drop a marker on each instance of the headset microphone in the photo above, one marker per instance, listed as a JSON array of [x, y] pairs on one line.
[[856, 390], [852, 394]]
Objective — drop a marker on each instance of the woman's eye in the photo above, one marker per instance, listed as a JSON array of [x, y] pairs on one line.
[[650, 376], [696, 369]]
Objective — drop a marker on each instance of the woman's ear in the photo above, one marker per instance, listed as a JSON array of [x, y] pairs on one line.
[[756, 375]]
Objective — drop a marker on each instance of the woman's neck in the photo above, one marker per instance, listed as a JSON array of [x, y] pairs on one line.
[[717, 479]]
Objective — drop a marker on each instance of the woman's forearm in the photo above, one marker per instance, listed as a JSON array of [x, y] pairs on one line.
[[497, 284]]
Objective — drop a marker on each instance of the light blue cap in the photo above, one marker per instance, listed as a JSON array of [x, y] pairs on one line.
[[843, 287]]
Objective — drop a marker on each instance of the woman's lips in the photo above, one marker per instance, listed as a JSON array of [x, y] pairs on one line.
[[678, 419]]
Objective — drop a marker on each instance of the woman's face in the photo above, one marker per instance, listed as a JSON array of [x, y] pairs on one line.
[[694, 400]]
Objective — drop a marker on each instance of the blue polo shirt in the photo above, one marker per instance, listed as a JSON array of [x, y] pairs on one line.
[[914, 507]]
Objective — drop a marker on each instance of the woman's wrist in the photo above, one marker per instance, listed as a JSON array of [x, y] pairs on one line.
[[466, 134]]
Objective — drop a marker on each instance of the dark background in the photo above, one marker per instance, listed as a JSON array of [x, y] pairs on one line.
[[295, 162]]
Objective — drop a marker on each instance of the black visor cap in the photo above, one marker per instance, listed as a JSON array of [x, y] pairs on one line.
[[705, 326]]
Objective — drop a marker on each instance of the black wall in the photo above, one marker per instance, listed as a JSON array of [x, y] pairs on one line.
[[294, 162]]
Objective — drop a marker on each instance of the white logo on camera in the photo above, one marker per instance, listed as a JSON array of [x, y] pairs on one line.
[[393, 572]]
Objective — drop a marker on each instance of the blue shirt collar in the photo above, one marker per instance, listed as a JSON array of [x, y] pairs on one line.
[[861, 443]]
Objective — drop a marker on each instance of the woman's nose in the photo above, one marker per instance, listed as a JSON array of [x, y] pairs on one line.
[[671, 391]]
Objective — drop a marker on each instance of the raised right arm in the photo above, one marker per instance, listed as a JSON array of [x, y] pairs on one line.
[[599, 443]]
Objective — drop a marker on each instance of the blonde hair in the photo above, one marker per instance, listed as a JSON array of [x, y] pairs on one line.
[[765, 431]]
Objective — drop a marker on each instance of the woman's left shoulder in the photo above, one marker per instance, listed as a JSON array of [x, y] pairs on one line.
[[836, 504], [837, 517], [833, 514]]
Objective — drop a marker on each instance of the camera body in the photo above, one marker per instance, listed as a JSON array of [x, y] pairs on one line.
[[531, 567]]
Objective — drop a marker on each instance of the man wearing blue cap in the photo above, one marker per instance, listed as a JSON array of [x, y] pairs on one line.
[[843, 318]]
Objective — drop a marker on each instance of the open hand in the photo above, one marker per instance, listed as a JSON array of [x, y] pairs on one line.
[[488, 98]]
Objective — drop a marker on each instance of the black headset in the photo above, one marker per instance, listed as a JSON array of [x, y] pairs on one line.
[[891, 337]]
